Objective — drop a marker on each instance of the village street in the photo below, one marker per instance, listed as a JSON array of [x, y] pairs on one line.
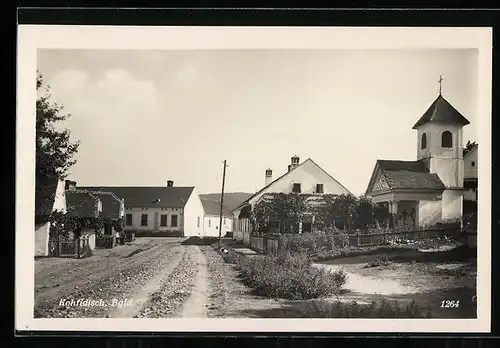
[[169, 278], [147, 278]]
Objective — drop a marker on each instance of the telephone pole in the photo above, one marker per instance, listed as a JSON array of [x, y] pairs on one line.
[[222, 203]]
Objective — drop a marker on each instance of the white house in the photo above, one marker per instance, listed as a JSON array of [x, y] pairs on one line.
[[160, 210], [470, 173], [211, 219], [430, 188], [50, 198], [306, 177]]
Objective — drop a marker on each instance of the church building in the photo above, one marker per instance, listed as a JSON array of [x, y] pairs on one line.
[[431, 188]]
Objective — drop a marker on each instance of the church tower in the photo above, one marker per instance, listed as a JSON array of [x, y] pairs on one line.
[[439, 146]]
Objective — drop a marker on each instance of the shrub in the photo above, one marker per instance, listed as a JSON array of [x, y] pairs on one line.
[[289, 276], [231, 257], [381, 309]]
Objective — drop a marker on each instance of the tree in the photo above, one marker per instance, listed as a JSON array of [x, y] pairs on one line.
[[469, 146], [287, 208], [364, 212], [55, 151]]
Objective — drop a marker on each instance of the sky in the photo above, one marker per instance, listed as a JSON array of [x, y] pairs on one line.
[[147, 116]]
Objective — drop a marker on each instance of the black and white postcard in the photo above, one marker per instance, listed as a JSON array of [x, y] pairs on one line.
[[234, 178]]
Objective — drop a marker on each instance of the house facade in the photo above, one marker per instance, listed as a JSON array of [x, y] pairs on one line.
[[159, 210], [83, 204], [430, 188], [211, 219], [470, 155], [50, 198], [302, 178]]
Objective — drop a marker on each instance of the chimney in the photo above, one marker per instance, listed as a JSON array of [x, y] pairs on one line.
[[269, 176], [294, 161], [69, 185], [170, 183], [289, 167]]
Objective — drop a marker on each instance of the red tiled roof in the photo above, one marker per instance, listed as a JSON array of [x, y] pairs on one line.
[[443, 112], [147, 196]]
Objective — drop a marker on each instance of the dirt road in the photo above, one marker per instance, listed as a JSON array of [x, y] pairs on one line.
[[148, 278]]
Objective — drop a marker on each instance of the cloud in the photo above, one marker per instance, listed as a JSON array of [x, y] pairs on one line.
[[114, 100]]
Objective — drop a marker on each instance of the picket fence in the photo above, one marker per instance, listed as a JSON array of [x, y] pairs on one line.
[[272, 244]]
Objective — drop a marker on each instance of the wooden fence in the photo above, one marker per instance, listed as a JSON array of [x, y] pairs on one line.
[[76, 248], [266, 245]]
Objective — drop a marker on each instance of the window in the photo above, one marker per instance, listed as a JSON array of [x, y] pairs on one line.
[[225, 222], [296, 188], [198, 221], [129, 219], [446, 139], [209, 222], [173, 222], [163, 220], [319, 188], [473, 163], [144, 219], [423, 142]]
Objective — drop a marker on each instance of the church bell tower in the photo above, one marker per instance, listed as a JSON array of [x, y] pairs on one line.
[[439, 146]]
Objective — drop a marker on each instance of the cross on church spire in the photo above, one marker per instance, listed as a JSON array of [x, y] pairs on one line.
[[440, 83]]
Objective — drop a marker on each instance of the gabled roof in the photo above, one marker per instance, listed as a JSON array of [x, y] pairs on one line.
[[442, 111], [231, 199], [213, 208], [111, 204], [82, 204], [45, 198], [245, 202], [413, 175], [148, 196]]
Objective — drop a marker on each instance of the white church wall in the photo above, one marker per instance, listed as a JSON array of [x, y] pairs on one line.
[[452, 204], [429, 212]]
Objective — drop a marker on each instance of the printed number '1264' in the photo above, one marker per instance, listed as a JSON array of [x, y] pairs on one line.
[[450, 304]]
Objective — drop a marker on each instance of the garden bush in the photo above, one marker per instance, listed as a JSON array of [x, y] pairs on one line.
[[231, 257], [381, 309], [289, 276]]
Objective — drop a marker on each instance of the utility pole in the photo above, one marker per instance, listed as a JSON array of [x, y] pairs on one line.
[[222, 203]]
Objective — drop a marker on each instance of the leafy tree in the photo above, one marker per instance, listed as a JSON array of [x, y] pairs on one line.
[[55, 151], [288, 209], [364, 212], [469, 146]]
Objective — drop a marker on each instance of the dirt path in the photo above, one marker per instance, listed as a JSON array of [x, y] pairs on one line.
[[126, 275], [370, 285], [196, 305], [142, 295]]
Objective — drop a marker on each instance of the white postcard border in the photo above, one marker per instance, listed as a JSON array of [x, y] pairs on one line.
[[33, 37]]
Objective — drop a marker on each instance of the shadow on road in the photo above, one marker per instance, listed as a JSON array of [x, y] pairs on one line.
[[200, 241], [426, 301]]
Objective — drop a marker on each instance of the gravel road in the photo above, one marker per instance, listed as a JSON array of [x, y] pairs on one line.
[[154, 278]]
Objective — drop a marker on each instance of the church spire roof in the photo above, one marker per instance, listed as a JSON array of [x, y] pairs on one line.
[[441, 111]]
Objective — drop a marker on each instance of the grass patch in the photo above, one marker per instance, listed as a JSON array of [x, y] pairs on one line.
[[381, 309], [288, 276]]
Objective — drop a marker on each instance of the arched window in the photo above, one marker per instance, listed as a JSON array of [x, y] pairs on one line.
[[446, 139], [423, 142]]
